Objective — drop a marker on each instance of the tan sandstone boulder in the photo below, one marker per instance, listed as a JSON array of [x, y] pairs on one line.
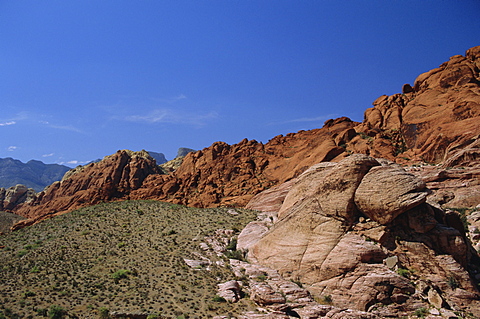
[[386, 192], [303, 237]]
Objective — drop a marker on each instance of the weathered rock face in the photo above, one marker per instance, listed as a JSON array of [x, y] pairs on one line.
[[15, 195], [112, 178], [307, 232], [322, 240], [455, 183], [442, 110], [232, 174], [385, 192], [428, 122]]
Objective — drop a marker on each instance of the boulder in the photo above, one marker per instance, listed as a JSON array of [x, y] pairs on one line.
[[304, 236], [230, 291], [386, 192], [14, 196], [263, 294]]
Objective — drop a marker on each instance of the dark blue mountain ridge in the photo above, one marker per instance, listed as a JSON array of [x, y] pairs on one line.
[[33, 174]]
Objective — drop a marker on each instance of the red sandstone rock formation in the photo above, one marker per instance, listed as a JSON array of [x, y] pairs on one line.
[[437, 117], [225, 174], [440, 112], [110, 179]]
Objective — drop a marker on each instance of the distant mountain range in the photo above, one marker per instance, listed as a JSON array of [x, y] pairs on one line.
[[159, 157], [37, 175], [33, 174]]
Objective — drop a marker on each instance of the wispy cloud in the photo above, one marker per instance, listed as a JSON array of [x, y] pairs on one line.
[[178, 98], [73, 162], [66, 128], [8, 123], [169, 100], [61, 127], [166, 115], [48, 155], [20, 116], [32, 119], [12, 148], [307, 119]]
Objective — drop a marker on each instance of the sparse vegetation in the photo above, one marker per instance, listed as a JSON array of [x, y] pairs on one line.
[[120, 274], [112, 257], [421, 312], [404, 272], [327, 299], [463, 212], [56, 312], [218, 299], [103, 313], [452, 282]]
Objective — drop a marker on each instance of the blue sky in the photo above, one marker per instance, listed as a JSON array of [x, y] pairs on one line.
[[82, 79]]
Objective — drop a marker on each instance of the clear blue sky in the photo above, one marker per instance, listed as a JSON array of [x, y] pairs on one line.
[[82, 79]]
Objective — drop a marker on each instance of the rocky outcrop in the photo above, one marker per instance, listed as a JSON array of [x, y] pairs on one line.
[[386, 192], [441, 111], [231, 175], [361, 232], [112, 178], [428, 122], [14, 196]]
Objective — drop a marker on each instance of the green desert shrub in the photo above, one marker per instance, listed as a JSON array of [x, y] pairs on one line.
[[421, 312], [56, 312], [218, 299], [403, 272], [120, 274], [103, 313]]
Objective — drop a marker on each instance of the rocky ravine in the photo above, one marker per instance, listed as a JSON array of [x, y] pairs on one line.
[[361, 234]]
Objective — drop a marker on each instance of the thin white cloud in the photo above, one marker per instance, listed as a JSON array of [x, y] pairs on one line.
[[179, 97], [165, 115], [66, 128], [307, 119], [8, 123], [21, 116], [73, 162], [170, 100], [61, 127], [48, 155], [12, 148]]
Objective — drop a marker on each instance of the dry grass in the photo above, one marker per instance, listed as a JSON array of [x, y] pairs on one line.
[[123, 256]]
